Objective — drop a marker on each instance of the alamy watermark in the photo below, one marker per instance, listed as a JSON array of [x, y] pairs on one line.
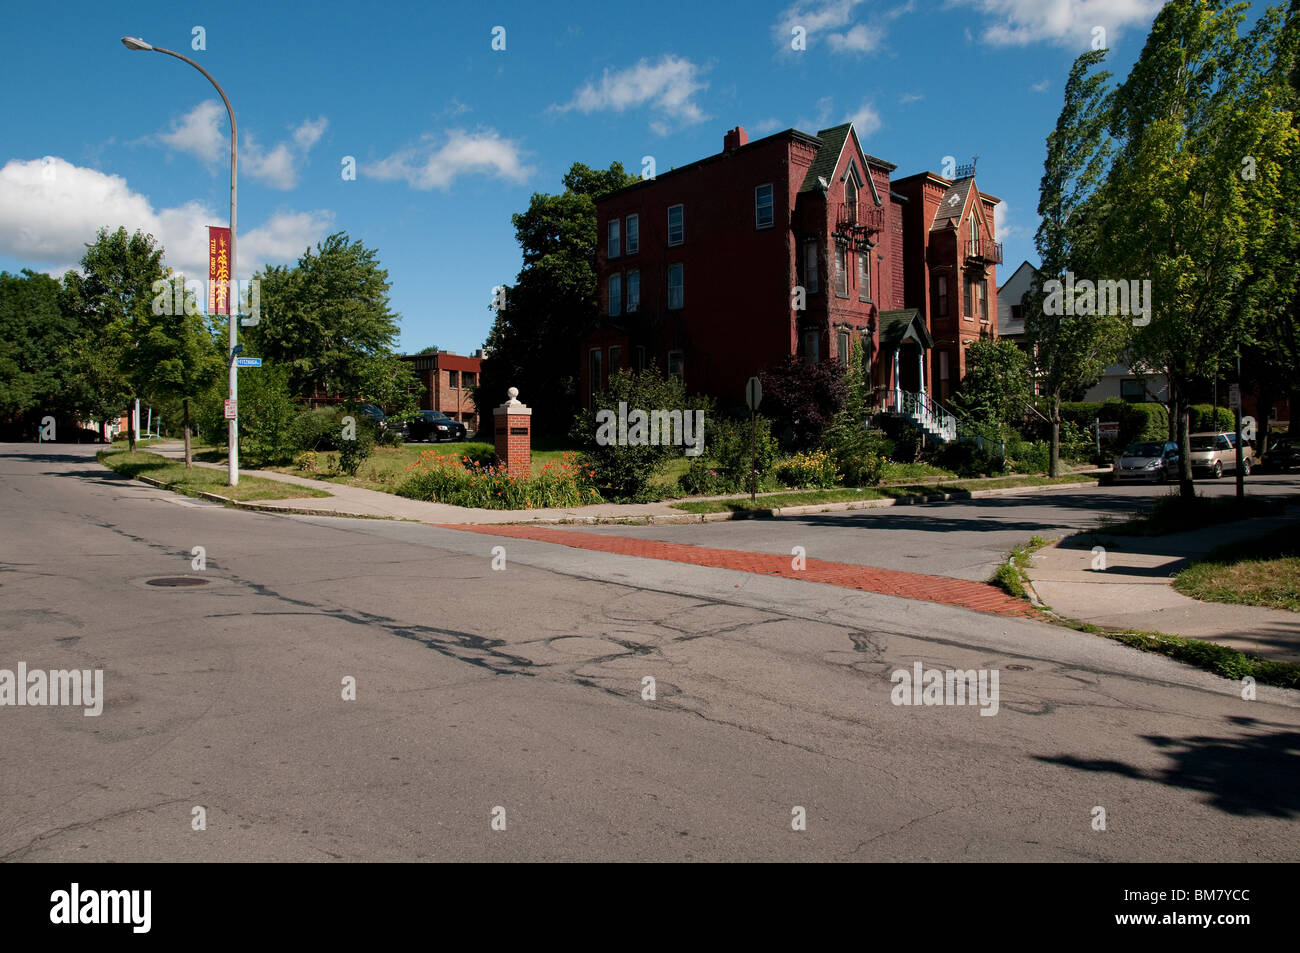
[[932, 686], [655, 428], [80, 688], [1085, 298]]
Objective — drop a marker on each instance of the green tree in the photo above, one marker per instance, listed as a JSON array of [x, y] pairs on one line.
[[34, 336], [326, 319], [1068, 350], [113, 300], [177, 355], [534, 343], [1177, 209], [997, 384]]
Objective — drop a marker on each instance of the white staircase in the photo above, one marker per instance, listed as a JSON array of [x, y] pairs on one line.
[[928, 414]]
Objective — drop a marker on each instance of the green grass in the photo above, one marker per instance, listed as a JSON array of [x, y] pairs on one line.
[[906, 472], [1174, 514], [1010, 576], [198, 480], [1257, 572], [1210, 656], [815, 497]]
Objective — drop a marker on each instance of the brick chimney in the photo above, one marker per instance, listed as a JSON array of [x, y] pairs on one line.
[[734, 139]]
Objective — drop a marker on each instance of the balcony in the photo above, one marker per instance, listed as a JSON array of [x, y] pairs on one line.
[[860, 221], [985, 250]]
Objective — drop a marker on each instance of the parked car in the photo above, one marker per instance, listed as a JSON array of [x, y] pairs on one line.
[[1284, 453], [1151, 462], [434, 426], [1212, 453], [375, 416]]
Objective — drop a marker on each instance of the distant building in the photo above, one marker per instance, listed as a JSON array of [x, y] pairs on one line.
[[448, 380]]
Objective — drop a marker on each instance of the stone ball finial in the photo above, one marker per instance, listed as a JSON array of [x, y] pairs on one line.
[[512, 393]]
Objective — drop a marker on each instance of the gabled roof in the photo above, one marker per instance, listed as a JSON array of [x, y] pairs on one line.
[[897, 326], [1014, 274], [828, 158], [952, 207]]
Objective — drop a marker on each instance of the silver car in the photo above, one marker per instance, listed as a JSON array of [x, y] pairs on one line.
[[1150, 462]]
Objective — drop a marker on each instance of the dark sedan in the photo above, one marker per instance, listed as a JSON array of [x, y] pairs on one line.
[[1283, 453], [434, 426]]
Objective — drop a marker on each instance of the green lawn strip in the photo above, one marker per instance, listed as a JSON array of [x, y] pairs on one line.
[[1011, 575], [1219, 659], [193, 482], [1256, 572], [1174, 514], [387, 468], [815, 497]]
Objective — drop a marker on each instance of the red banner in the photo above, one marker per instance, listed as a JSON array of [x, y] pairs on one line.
[[218, 270]]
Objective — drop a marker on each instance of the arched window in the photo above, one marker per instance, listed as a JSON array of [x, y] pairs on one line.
[[851, 197]]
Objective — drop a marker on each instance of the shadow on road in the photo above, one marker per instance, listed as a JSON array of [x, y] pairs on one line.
[[1247, 775]]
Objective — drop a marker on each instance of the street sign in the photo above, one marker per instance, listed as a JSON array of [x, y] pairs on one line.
[[1234, 396], [753, 393], [230, 409], [248, 362]]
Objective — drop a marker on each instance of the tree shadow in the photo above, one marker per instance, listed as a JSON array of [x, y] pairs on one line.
[[1250, 775]]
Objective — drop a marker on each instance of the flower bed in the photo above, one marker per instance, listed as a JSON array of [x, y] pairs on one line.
[[466, 482]]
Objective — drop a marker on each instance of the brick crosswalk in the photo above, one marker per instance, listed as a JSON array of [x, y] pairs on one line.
[[978, 596]]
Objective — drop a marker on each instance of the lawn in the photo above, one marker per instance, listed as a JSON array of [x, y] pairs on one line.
[[815, 497], [198, 480], [1257, 572], [1173, 514]]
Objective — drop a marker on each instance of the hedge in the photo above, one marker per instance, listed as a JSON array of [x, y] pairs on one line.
[[1208, 417], [1137, 422]]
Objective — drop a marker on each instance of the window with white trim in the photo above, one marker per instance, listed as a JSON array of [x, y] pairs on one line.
[[676, 286], [611, 239], [633, 290], [632, 227], [841, 271], [676, 225], [864, 276], [764, 215]]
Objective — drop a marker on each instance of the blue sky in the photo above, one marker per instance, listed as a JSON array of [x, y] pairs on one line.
[[451, 137]]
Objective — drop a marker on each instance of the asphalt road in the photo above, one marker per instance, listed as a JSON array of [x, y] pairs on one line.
[[522, 689]]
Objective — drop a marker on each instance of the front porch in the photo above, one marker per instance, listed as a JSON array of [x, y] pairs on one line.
[[905, 343]]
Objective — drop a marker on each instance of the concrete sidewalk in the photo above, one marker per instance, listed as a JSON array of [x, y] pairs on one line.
[[1135, 589]]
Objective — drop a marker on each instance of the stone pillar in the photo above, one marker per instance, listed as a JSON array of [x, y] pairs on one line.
[[514, 435]]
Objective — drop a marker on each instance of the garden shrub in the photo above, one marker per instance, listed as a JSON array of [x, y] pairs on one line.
[[702, 479], [814, 469], [623, 473], [464, 482], [266, 416], [1206, 417], [802, 399], [743, 453]]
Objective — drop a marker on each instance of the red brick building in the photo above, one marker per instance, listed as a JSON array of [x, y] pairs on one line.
[[448, 380], [789, 245], [950, 256]]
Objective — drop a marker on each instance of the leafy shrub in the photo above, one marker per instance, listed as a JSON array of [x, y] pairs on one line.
[[1024, 456], [307, 462], [1137, 421], [802, 399], [859, 453], [464, 482], [355, 449], [968, 459], [815, 470], [266, 418], [1205, 417], [701, 479], [623, 473], [318, 429], [743, 453]]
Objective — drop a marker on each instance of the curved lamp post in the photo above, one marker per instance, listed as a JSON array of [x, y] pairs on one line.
[[135, 43]]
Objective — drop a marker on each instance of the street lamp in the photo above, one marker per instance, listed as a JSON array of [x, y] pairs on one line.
[[135, 43]]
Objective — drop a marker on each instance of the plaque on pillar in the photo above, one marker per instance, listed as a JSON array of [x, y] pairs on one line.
[[513, 435]]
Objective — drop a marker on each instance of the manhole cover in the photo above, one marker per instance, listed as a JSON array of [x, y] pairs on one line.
[[175, 582], [1018, 668]]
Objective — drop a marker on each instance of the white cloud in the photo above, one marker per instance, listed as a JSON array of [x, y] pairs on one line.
[[461, 153], [1041, 86], [857, 40], [1002, 226], [832, 21], [668, 86], [866, 120], [908, 98], [309, 131], [50, 210], [1067, 22], [765, 126], [202, 133]]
